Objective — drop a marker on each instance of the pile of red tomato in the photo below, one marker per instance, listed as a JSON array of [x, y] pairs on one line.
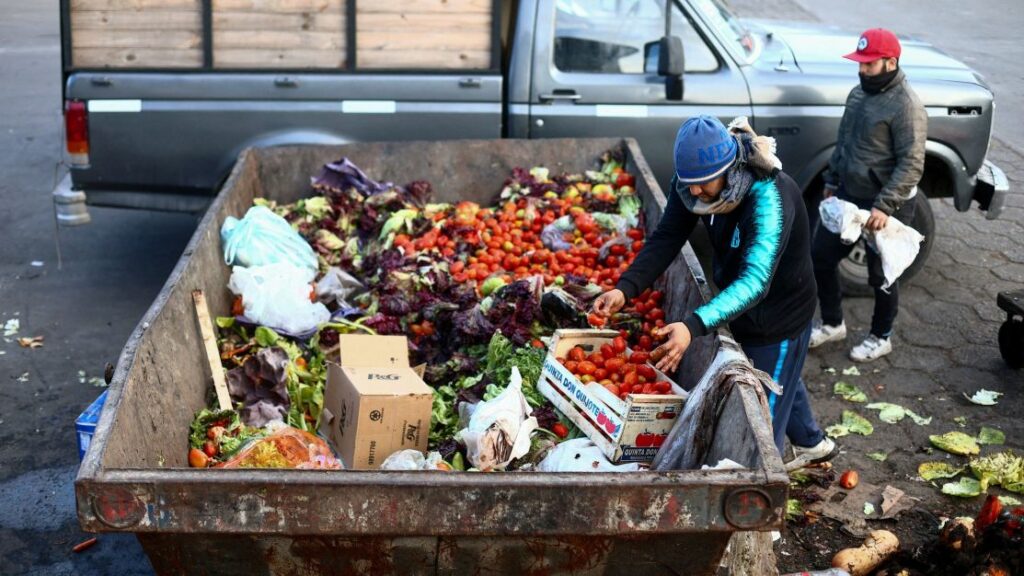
[[620, 373], [481, 243]]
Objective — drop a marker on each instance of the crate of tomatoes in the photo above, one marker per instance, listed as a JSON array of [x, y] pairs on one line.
[[613, 394]]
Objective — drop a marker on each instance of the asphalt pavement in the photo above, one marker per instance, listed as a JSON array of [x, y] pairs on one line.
[[113, 268]]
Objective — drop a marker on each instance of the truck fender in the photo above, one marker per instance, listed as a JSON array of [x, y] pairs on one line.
[[279, 138], [942, 164]]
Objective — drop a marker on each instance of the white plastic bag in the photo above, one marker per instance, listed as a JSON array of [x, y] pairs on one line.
[[843, 218], [262, 238], [580, 455], [414, 460], [896, 243], [499, 429], [277, 296], [337, 285]]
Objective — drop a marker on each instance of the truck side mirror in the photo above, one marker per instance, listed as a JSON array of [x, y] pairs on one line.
[[665, 56]]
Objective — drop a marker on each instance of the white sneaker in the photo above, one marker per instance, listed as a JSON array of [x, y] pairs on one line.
[[821, 452], [872, 348], [821, 333]]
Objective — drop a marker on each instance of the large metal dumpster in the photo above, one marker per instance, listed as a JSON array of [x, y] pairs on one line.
[[135, 476]]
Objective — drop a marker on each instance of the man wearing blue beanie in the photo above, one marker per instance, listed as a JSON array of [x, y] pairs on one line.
[[730, 179]]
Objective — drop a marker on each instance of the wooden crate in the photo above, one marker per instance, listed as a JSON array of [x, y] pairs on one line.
[[424, 34], [279, 33], [136, 33]]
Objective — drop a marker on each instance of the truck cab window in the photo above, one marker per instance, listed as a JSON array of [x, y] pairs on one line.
[[608, 36]]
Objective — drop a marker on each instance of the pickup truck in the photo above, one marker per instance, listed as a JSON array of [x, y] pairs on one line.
[[160, 97]]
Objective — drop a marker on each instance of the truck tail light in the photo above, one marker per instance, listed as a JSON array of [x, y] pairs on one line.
[[76, 128]]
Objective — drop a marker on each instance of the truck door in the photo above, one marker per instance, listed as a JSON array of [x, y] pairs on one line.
[[590, 78]]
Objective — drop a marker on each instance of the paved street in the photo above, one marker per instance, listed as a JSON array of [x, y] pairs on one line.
[[113, 268]]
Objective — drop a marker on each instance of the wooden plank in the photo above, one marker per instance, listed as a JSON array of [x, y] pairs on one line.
[[400, 40], [272, 40], [136, 58], [163, 39], [81, 5], [280, 6], [303, 21], [133, 20], [212, 354], [399, 6], [253, 58], [427, 22], [420, 59]]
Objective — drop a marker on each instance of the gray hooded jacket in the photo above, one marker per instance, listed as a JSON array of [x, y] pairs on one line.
[[880, 149]]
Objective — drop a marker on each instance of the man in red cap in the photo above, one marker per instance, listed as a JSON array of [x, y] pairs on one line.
[[877, 163]]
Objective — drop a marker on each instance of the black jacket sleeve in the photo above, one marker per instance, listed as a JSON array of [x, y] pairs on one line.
[[661, 248]]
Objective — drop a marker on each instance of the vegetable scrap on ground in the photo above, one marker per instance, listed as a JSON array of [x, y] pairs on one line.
[[477, 290]]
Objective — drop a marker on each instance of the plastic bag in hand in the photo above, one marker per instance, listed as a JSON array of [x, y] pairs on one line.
[[262, 238], [499, 429], [277, 296], [843, 218], [580, 455], [898, 245]]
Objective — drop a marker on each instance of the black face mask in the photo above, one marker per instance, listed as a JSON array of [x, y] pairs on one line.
[[875, 84]]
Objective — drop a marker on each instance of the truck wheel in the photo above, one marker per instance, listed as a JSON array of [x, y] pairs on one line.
[[853, 271], [1011, 343]]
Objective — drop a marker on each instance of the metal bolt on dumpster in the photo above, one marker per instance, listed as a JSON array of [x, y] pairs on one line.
[[135, 478]]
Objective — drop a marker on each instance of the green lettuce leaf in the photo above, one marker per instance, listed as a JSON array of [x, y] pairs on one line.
[[965, 488], [991, 436], [1001, 469], [849, 392], [935, 470], [852, 423], [956, 443]]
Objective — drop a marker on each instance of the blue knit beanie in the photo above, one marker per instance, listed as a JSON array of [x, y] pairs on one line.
[[704, 150]]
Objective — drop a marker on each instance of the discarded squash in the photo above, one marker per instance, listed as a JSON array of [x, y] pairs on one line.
[[861, 561]]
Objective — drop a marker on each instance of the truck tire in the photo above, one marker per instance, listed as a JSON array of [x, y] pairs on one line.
[[853, 270], [1011, 342]]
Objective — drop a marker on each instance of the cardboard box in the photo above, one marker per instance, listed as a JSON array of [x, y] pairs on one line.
[[85, 424], [630, 431], [374, 403]]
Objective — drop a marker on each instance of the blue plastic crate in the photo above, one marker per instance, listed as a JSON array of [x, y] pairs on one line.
[[85, 424]]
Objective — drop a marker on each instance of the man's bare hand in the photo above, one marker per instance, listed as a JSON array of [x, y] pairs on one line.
[[672, 350], [609, 303], [877, 220]]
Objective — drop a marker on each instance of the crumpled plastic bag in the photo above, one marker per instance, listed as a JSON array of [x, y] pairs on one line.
[[551, 235], [261, 238], [277, 296], [337, 285], [896, 243], [499, 429], [414, 460], [580, 455], [286, 448]]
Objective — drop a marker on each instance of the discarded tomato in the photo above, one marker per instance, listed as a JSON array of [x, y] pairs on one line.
[[849, 479], [197, 459], [560, 430]]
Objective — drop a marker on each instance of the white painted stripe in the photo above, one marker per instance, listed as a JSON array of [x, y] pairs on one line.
[[620, 111], [368, 106], [115, 106]]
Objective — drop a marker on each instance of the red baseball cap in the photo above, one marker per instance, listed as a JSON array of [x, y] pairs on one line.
[[875, 44]]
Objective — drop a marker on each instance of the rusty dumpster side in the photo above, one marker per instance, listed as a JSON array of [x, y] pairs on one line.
[[135, 477]]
